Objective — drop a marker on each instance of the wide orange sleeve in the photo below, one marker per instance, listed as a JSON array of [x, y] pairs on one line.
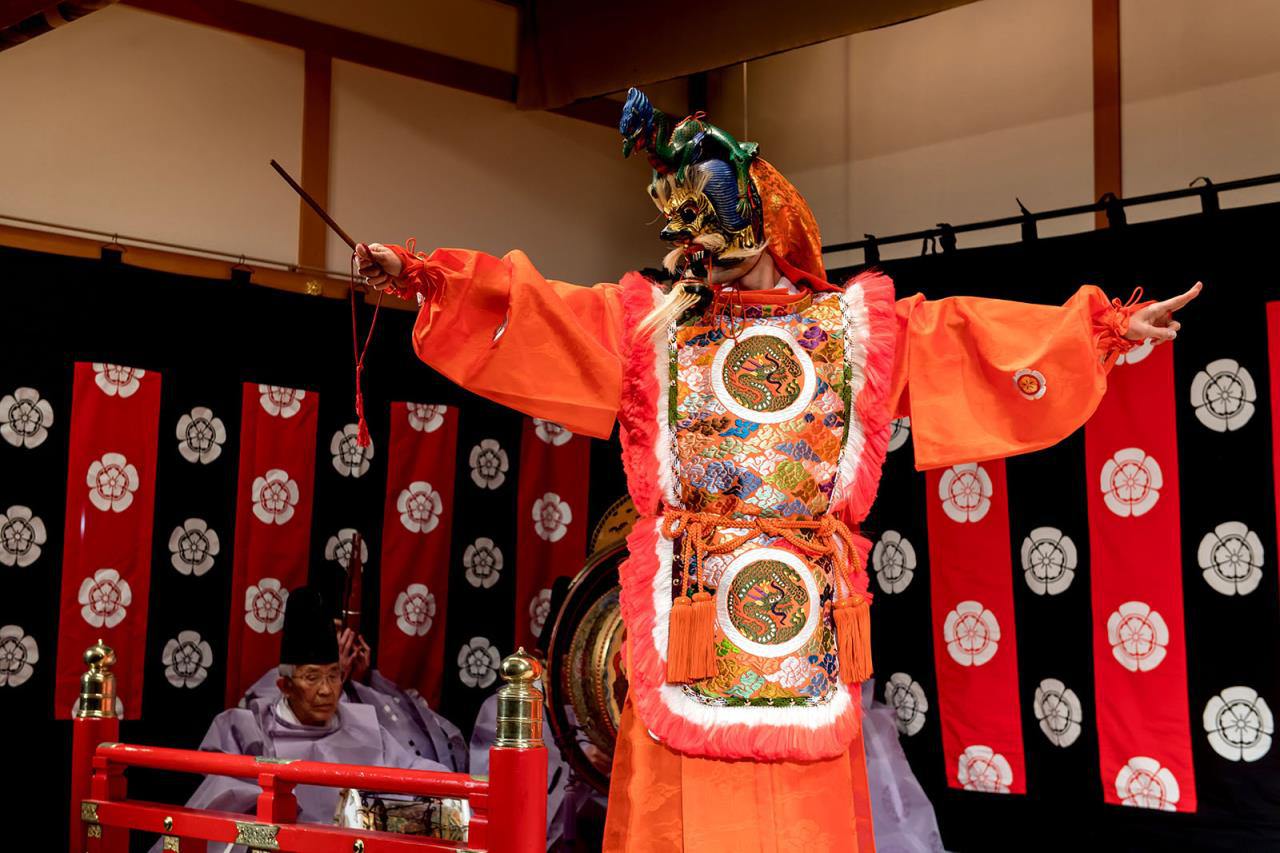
[[498, 328], [986, 378]]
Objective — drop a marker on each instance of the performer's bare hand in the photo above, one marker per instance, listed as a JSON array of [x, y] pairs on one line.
[[378, 264], [354, 656], [1156, 320]]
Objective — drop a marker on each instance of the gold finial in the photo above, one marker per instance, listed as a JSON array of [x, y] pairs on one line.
[[313, 287], [98, 685], [168, 824], [358, 846], [520, 703]]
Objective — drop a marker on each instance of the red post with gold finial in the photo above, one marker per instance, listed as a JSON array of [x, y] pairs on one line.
[[95, 722]]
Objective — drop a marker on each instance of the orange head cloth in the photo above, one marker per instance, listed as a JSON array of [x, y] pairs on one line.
[[789, 226]]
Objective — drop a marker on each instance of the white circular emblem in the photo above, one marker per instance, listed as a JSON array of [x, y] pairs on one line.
[[1223, 395], [415, 610], [192, 547], [201, 435], [551, 517], [894, 562], [424, 417], [539, 610], [349, 458], [551, 432], [1058, 709], [906, 697], [1239, 724], [764, 376], [965, 492], [1138, 353], [1131, 482], [280, 402], [1138, 636], [483, 562], [983, 769], [116, 379], [1030, 384], [1048, 560], [25, 418], [264, 604], [972, 634], [478, 663], [21, 535], [341, 546], [1143, 783], [186, 660], [899, 432], [105, 598], [1231, 558], [112, 480], [18, 653], [488, 464], [274, 495], [420, 507], [758, 601]]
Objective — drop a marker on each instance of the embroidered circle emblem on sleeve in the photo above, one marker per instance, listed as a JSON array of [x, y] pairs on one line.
[[894, 562], [1138, 636], [1223, 395], [104, 598], [972, 634], [1231, 558], [25, 418], [1030, 384], [1049, 560], [21, 535], [1131, 482], [1058, 709], [275, 494], [478, 663], [899, 432], [1239, 724], [965, 491], [264, 604], [906, 697], [1138, 353], [415, 610], [764, 377], [186, 659], [983, 769], [18, 652], [201, 435], [767, 602], [1143, 783]]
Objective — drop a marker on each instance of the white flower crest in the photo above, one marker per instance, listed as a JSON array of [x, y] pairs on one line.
[[1057, 707], [18, 653], [186, 659], [488, 464], [965, 492], [551, 432], [25, 418], [1143, 783], [116, 379], [972, 634], [339, 548], [899, 432], [279, 401], [192, 547], [1138, 636], [419, 507], [415, 610], [1131, 482], [201, 435], [551, 517], [906, 697], [112, 480], [1049, 560], [21, 535], [539, 610], [894, 562], [483, 561], [104, 598], [264, 604], [275, 494], [1138, 353], [349, 458], [426, 418], [478, 663], [983, 769], [1223, 395], [792, 674], [1231, 558], [1239, 724]]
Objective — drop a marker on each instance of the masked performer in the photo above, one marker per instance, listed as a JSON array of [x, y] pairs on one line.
[[755, 399]]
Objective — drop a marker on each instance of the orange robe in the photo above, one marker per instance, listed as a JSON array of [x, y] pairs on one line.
[[979, 378]]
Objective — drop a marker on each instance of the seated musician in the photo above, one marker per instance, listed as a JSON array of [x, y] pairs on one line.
[[404, 715], [305, 720]]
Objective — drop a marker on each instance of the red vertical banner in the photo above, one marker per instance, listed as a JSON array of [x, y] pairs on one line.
[[1139, 644], [273, 524], [975, 645], [417, 525], [106, 559], [551, 532]]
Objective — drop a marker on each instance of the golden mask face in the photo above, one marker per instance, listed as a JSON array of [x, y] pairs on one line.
[[691, 219]]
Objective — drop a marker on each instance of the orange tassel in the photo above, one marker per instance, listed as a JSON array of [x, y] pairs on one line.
[[853, 638], [679, 638], [702, 646]]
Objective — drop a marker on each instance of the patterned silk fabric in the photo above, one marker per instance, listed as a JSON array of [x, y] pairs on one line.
[[759, 396]]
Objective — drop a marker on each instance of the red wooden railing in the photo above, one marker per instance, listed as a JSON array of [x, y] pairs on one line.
[[508, 810]]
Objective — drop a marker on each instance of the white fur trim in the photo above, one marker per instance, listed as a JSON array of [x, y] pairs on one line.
[[857, 331]]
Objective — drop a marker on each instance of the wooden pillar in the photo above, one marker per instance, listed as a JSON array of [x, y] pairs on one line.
[[1107, 172], [316, 109]]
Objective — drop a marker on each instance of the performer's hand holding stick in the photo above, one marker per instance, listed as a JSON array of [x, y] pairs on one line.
[[378, 265]]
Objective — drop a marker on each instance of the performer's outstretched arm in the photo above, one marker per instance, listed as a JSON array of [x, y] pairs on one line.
[[498, 328], [986, 378]]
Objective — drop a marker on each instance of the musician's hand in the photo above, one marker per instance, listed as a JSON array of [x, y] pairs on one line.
[[347, 651], [378, 264], [362, 662]]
